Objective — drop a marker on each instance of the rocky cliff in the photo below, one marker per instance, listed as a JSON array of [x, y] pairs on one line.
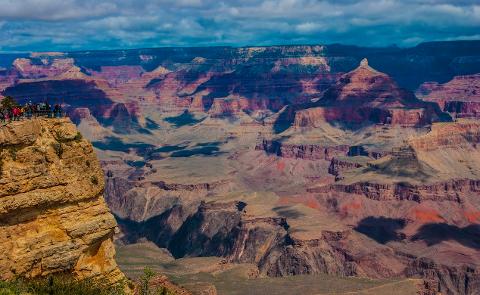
[[53, 218], [459, 96], [303, 151]]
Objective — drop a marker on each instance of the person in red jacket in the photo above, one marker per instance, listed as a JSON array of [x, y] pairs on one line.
[[16, 112]]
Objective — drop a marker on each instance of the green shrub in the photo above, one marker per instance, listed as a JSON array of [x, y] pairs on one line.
[[147, 289], [13, 153], [57, 146], [148, 274], [8, 103], [94, 179], [58, 285], [78, 137]]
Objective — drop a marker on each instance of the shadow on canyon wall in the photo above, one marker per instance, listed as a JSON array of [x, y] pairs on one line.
[[74, 93], [184, 234], [384, 230], [116, 144], [287, 212], [186, 118], [435, 233]]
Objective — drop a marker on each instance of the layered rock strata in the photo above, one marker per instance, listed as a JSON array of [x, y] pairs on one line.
[[451, 190], [53, 218], [459, 96], [302, 151]]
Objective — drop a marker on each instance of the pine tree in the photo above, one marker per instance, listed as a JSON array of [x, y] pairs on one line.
[[8, 103]]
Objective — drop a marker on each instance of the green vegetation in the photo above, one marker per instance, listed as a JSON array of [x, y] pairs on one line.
[[8, 103], [94, 179], [61, 137], [12, 150], [78, 137], [58, 285], [57, 146], [146, 287]]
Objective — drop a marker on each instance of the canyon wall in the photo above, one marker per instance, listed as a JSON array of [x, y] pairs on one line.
[[303, 151]]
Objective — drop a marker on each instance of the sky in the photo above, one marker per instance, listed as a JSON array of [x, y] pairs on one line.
[[66, 25]]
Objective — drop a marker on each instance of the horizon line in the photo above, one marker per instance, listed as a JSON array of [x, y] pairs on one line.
[[243, 46]]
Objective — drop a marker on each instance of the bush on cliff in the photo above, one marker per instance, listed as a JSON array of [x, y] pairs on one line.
[[8, 103], [148, 285], [58, 148], [58, 285]]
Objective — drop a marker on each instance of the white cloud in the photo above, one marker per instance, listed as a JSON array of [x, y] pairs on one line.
[[308, 27], [139, 23]]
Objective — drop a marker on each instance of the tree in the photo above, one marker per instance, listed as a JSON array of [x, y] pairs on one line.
[[148, 274], [8, 103]]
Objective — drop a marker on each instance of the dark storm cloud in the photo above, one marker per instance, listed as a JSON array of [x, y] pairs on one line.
[[94, 24]]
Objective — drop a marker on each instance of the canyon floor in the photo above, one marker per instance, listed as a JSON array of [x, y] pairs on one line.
[[213, 274]]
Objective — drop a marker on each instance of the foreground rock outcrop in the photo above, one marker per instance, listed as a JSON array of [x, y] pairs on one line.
[[53, 218]]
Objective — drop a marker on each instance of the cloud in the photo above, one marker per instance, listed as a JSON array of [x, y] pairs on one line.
[[93, 24], [54, 10]]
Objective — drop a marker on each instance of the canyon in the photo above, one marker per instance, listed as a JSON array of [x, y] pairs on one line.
[[280, 161]]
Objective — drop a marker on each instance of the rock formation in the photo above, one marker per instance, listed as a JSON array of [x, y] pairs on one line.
[[365, 94], [360, 97], [306, 151], [53, 218], [459, 96], [447, 135]]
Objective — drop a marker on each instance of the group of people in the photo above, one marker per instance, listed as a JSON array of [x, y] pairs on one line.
[[16, 112]]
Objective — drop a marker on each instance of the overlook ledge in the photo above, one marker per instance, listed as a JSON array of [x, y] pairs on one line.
[[53, 217]]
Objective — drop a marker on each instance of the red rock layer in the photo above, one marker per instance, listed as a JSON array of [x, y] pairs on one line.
[[305, 151], [338, 166], [450, 190], [366, 95]]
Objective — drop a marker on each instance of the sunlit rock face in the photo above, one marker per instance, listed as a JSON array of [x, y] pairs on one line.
[[365, 94], [361, 97], [52, 212]]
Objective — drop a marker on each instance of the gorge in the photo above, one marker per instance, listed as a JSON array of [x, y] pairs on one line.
[[280, 161]]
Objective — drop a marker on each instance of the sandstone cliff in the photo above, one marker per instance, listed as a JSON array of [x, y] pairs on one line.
[[53, 217]]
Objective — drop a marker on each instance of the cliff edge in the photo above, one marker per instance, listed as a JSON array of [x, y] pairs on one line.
[[53, 218]]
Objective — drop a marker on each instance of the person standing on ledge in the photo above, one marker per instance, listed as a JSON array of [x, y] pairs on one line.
[[7, 106]]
